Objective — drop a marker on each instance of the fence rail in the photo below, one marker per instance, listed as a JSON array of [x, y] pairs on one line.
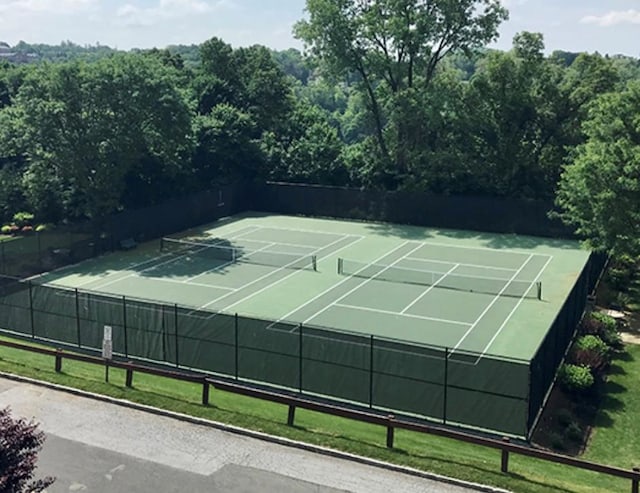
[[390, 422]]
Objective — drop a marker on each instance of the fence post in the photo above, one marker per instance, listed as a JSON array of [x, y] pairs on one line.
[[300, 358], [292, 415], [635, 482], [370, 371], [129, 376], [78, 318], [33, 326], [445, 386], [205, 392], [504, 463], [175, 322], [124, 326], [235, 325], [390, 431], [58, 360]]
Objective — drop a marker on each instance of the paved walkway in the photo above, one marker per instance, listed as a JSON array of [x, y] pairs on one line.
[[97, 446]]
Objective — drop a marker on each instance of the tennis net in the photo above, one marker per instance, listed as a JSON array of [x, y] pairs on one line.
[[486, 285], [220, 249]]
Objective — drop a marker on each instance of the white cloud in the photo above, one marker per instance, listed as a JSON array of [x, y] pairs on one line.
[[613, 18], [130, 15]]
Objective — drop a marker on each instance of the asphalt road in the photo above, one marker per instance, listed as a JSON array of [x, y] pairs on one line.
[[96, 446]]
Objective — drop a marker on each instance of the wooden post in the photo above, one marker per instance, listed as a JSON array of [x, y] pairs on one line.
[[504, 465], [390, 431], [58, 360], [292, 415], [635, 482], [205, 392]]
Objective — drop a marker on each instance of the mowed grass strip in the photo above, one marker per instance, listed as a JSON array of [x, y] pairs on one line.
[[428, 453]]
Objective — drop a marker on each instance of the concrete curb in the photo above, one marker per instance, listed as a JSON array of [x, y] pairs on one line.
[[257, 435]]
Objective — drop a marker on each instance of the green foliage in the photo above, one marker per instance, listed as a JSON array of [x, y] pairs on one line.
[[590, 351], [603, 326], [564, 417], [599, 193], [575, 378], [6, 229], [574, 432], [23, 218], [557, 441]]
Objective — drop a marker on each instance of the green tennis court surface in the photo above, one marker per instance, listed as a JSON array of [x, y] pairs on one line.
[[465, 291]]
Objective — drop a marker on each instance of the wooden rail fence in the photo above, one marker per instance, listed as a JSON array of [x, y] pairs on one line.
[[390, 422]]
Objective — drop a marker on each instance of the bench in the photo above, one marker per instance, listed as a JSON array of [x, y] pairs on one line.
[[128, 244]]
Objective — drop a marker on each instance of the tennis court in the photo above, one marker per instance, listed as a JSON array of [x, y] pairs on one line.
[[478, 293], [460, 327]]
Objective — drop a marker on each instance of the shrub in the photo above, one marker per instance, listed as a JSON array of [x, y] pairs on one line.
[[27, 229], [23, 219], [574, 432], [556, 440], [42, 227], [564, 417], [592, 352], [6, 229], [575, 378], [603, 326]]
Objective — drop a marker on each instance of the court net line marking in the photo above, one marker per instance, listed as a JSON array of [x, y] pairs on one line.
[[330, 288], [170, 260], [424, 293], [313, 231], [426, 260], [198, 284], [275, 271], [366, 281], [495, 336], [496, 298], [223, 265], [408, 315], [494, 250]]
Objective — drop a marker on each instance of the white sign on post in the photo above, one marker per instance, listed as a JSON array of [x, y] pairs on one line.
[[107, 343]]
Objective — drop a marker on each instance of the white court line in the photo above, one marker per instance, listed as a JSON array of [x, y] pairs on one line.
[[408, 315], [199, 284], [418, 259], [496, 298], [330, 288], [510, 315], [172, 259], [218, 267], [429, 289], [366, 281], [279, 280], [296, 245], [315, 231], [495, 250]]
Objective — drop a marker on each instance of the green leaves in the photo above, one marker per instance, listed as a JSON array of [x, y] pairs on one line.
[[599, 192]]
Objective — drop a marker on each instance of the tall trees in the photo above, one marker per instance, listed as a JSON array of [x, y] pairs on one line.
[[91, 125], [599, 193], [394, 46]]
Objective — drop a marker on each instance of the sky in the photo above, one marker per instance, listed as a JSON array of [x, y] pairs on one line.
[[608, 27]]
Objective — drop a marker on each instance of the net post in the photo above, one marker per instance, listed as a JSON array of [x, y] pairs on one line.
[[314, 262], [340, 268], [539, 289], [161, 244]]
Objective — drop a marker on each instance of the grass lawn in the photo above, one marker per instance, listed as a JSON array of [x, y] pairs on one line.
[[616, 440]]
